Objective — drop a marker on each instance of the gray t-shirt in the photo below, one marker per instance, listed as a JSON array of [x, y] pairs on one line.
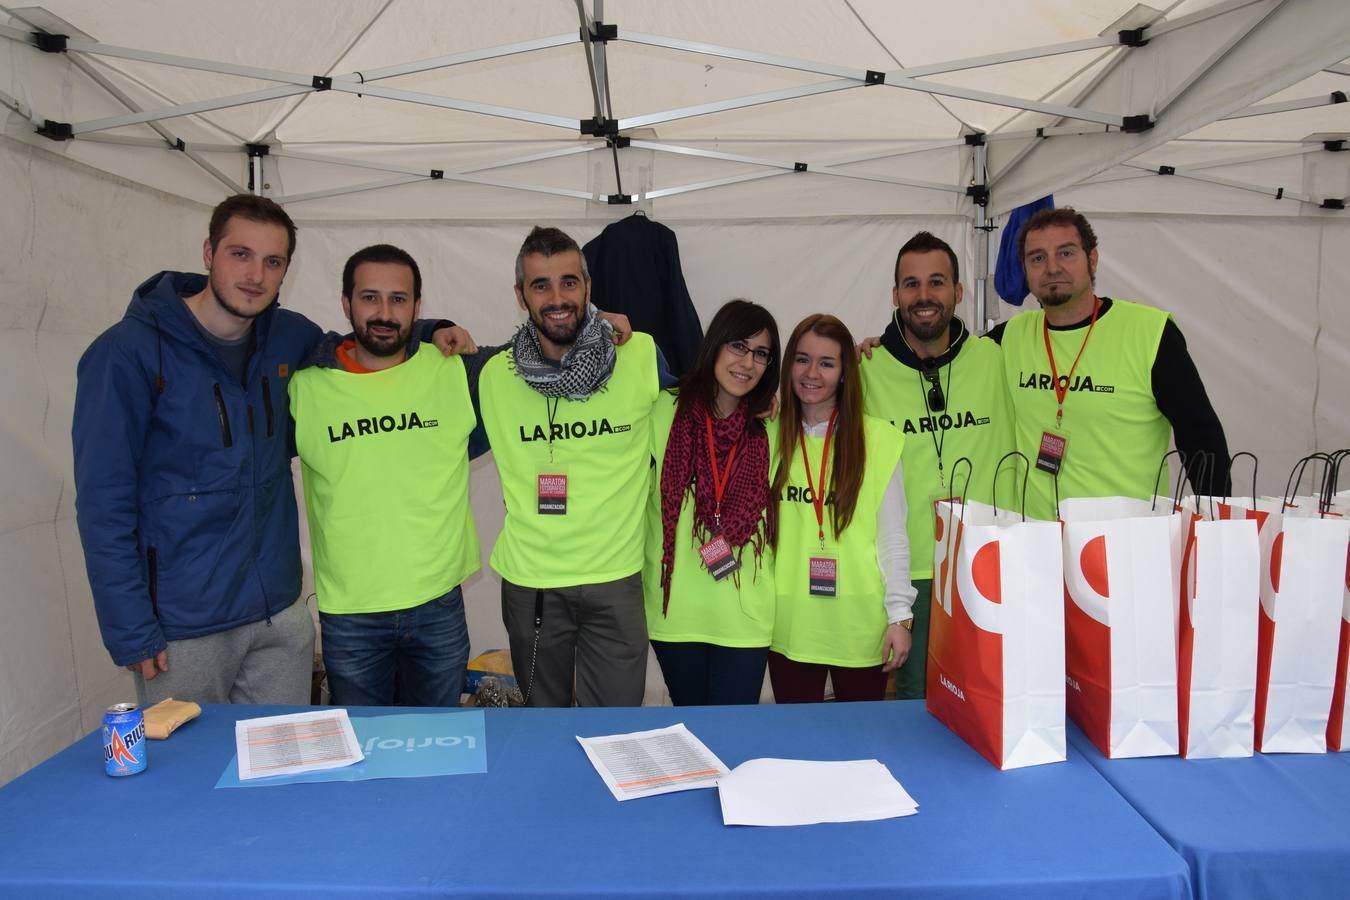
[[235, 354]]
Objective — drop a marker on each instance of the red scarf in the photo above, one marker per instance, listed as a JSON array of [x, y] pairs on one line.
[[745, 505]]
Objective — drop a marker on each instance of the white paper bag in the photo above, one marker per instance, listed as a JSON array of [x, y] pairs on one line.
[[1217, 633], [1121, 578], [1302, 602], [996, 634]]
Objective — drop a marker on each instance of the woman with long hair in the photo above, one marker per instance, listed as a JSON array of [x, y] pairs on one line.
[[842, 556], [709, 574]]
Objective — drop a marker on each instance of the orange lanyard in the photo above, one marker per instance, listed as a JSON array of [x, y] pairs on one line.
[[720, 479], [1062, 390], [818, 496]]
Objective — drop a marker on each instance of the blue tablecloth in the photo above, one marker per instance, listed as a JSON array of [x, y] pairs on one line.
[[1272, 825], [541, 822]]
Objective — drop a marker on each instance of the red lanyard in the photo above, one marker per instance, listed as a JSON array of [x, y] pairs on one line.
[[1062, 390], [818, 496], [720, 479]]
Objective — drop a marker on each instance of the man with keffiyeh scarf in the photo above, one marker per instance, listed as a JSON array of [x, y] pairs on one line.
[[567, 414]]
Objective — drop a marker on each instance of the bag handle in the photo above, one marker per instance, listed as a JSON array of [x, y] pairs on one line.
[[998, 468], [1333, 477], [970, 471], [1206, 467], [950, 534], [1162, 467], [1232, 459], [1296, 478]]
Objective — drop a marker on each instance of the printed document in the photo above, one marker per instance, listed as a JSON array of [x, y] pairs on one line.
[[644, 763], [298, 742], [804, 792]]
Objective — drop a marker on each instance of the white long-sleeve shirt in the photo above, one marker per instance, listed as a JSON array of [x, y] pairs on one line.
[[892, 540]]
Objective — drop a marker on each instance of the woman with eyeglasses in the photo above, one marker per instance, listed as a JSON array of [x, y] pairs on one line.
[[842, 555], [709, 573]]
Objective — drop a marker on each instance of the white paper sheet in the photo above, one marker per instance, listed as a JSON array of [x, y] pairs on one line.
[[294, 743], [644, 763], [805, 792]]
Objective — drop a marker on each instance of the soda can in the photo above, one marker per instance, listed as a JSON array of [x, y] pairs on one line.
[[124, 739]]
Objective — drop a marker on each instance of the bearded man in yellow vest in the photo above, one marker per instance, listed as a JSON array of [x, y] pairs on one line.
[[1099, 384], [943, 388], [383, 427], [567, 414]]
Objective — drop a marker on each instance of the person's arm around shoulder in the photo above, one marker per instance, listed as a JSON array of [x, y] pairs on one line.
[[1197, 432], [474, 363], [114, 404], [893, 557], [452, 339]]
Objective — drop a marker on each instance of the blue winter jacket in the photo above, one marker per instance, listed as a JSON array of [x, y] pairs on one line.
[[184, 497]]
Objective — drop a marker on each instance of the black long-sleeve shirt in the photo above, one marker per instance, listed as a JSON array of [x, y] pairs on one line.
[[1181, 398]]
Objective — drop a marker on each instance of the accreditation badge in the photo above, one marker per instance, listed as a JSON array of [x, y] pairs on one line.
[[1050, 457], [823, 576], [552, 493], [718, 559]]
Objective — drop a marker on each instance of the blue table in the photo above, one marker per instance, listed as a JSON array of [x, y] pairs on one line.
[[541, 822], [1273, 825]]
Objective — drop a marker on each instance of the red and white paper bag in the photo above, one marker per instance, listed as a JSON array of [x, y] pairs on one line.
[[1121, 578], [996, 634], [1216, 637], [1302, 602]]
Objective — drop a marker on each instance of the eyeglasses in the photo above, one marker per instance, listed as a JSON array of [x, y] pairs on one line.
[[936, 401], [741, 348]]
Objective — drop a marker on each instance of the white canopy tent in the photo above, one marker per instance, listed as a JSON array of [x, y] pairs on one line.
[[793, 146]]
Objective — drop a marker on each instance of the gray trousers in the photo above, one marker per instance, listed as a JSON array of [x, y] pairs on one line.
[[254, 663], [591, 646]]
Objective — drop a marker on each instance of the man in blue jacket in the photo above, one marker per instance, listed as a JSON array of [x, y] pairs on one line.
[[183, 479], [184, 497]]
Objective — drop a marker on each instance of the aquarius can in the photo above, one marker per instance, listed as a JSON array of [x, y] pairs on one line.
[[124, 739]]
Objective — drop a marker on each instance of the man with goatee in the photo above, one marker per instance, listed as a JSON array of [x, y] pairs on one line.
[[943, 388], [1099, 385]]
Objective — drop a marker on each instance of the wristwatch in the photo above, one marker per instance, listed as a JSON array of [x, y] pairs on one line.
[[907, 624]]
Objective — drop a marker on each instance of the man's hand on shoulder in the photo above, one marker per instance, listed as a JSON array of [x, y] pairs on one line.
[[151, 667], [623, 329], [453, 340], [771, 413], [867, 345]]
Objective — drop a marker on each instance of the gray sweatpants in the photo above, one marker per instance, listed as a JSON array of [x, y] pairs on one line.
[[254, 663], [592, 635]]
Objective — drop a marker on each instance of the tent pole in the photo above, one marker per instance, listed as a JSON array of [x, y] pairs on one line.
[[1266, 109], [982, 228], [255, 172], [793, 166]]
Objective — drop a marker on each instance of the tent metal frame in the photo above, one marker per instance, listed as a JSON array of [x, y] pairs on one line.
[[594, 36], [294, 84]]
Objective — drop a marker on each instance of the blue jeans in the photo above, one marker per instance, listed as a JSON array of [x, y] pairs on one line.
[[699, 674], [427, 646]]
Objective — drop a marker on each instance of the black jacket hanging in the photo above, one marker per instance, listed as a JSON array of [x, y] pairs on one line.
[[635, 270]]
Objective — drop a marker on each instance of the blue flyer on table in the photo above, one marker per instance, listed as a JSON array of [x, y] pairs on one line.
[[411, 745]]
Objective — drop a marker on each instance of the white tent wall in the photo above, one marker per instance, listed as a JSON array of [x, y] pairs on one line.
[[78, 241], [1257, 283], [73, 242], [1255, 296]]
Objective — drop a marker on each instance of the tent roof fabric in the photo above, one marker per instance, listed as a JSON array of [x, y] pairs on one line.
[[428, 109]]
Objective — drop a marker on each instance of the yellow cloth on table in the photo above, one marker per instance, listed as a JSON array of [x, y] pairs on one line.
[[166, 715]]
